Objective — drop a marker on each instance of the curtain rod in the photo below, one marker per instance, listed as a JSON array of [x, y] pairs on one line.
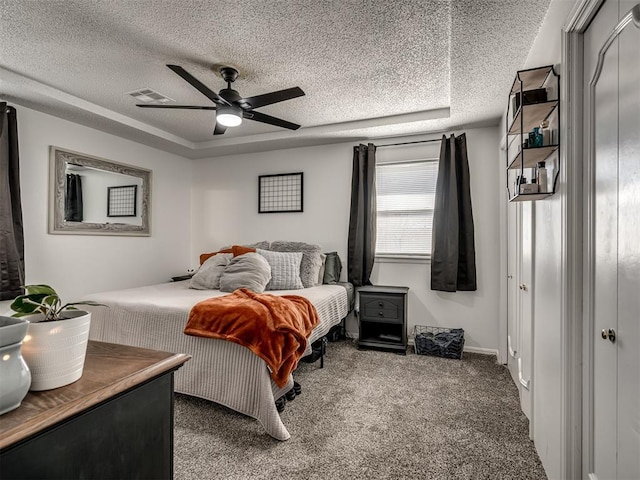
[[408, 143]]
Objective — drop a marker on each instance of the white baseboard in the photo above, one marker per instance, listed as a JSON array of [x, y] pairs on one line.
[[483, 351]]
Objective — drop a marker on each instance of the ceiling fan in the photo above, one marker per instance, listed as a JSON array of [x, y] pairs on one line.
[[230, 107]]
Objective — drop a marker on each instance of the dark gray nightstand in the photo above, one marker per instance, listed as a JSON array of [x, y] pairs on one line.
[[382, 319]]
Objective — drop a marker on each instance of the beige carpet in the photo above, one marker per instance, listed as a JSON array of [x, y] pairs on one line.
[[370, 415]]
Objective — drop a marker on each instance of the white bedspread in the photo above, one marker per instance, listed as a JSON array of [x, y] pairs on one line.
[[224, 372]]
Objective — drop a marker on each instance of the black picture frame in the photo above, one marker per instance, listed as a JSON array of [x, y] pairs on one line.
[[122, 201], [281, 193]]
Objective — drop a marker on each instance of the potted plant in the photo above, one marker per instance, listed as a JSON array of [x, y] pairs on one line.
[[56, 342]]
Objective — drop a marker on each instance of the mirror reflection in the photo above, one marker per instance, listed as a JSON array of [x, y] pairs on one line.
[[91, 195], [96, 196]]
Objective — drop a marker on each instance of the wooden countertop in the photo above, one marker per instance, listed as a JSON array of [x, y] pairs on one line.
[[109, 369]]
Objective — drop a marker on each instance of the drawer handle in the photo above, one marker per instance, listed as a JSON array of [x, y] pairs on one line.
[[381, 313], [380, 304]]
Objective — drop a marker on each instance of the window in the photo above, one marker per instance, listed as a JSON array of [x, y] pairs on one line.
[[405, 195]]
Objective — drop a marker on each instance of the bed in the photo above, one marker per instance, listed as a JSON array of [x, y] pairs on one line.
[[154, 317]]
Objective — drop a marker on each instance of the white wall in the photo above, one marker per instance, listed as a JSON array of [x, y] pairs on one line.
[[548, 277], [76, 265], [225, 206]]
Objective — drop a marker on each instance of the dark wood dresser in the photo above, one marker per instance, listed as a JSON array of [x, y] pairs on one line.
[[116, 422]]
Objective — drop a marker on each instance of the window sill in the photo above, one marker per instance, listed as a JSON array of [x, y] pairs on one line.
[[403, 258]]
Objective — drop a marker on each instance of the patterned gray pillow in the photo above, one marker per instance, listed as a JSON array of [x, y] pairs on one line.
[[311, 259], [208, 275], [250, 271], [285, 269]]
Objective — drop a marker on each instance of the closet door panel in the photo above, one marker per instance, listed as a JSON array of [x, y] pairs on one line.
[[629, 252], [605, 306]]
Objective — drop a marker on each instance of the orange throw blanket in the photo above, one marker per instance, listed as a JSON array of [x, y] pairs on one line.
[[273, 327]]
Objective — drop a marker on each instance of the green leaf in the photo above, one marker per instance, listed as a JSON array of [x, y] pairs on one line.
[[27, 303], [69, 306], [39, 290]]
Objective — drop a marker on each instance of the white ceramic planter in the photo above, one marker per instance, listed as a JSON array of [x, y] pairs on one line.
[[55, 351], [14, 374]]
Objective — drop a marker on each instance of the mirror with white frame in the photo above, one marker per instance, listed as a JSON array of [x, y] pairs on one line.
[[95, 196]]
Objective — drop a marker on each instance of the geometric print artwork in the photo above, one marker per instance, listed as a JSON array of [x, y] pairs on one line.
[[121, 201], [280, 193]]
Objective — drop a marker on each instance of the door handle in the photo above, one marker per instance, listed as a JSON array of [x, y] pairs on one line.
[[523, 286], [608, 334]]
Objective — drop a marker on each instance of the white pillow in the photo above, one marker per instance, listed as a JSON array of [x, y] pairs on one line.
[[208, 275], [285, 269]]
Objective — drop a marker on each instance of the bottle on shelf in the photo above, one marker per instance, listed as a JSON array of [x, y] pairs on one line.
[[542, 177], [546, 133]]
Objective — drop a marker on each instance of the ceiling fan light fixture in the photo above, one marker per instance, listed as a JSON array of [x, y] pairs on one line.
[[229, 115]]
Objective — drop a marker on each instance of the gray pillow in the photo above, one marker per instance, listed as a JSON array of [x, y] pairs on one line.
[[208, 275], [250, 271], [311, 259], [285, 269], [332, 268], [320, 281], [264, 244]]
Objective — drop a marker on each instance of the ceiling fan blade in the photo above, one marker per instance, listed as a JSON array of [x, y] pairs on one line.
[[261, 117], [273, 97], [198, 85], [220, 129], [187, 107]]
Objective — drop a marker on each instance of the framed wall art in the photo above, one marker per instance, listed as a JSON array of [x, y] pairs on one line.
[[280, 193], [121, 201]]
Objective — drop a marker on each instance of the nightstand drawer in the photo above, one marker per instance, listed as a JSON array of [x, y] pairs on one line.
[[388, 307]]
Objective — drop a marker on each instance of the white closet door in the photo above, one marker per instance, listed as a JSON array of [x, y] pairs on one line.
[[628, 444], [612, 136], [513, 276], [525, 355]]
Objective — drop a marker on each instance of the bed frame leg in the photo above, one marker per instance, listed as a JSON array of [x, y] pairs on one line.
[[323, 349]]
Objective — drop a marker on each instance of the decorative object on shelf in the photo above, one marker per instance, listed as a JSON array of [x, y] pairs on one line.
[[122, 200], [530, 97], [533, 116], [15, 377], [56, 341], [280, 193]]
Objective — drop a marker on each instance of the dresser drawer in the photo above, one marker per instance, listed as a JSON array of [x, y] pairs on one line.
[[381, 306]]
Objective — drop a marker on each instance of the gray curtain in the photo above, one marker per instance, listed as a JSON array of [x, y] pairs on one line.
[[362, 221], [73, 198], [453, 254], [11, 231]]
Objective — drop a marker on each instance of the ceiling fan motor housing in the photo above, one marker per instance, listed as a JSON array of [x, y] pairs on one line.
[[229, 95], [229, 74]]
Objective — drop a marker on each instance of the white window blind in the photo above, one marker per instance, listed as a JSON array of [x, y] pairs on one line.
[[405, 194]]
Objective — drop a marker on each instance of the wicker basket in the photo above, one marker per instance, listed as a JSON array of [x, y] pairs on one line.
[[441, 342]]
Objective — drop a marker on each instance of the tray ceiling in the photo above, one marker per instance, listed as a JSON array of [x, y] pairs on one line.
[[369, 68]]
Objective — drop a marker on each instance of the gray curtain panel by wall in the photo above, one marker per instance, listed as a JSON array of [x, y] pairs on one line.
[[11, 231], [453, 254], [362, 221], [73, 209]]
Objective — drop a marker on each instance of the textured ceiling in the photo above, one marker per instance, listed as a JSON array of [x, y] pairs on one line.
[[427, 65]]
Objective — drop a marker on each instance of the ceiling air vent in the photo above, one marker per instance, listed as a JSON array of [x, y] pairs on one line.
[[147, 95]]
